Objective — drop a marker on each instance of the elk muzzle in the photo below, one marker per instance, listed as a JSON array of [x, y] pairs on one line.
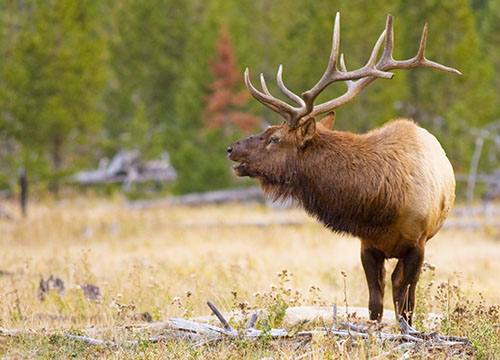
[[234, 153], [241, 151]]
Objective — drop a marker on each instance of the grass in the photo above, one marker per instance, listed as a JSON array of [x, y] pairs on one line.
[[169, 261]]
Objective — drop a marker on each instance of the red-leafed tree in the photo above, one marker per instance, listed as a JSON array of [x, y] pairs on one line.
[[225, 104]]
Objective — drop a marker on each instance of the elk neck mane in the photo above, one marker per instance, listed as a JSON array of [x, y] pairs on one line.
[[344, 180]]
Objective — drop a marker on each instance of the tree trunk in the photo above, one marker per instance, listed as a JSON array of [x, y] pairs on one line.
[[56, 162]]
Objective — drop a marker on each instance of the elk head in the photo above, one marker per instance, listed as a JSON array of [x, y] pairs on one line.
[[276, 146], [267, 156]]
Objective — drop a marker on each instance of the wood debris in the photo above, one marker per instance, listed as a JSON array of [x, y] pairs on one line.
[[200, 334]]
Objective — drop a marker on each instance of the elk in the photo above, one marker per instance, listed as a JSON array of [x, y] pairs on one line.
[[392, 187]]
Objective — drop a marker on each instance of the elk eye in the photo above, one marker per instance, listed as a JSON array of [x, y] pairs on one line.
[[274, 139]]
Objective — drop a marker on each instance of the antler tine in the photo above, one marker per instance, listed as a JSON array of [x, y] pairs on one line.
[[332, 74], [374, 54], [264, 85], [295, 98], [423, 43], [387, 61], [349, 83], [389, 42], [428, 63], [310, 95], [282, 108], [363, 76], [332, 62]]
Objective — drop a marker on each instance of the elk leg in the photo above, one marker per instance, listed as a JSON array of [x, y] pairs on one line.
[[404, 282], [373, 264]]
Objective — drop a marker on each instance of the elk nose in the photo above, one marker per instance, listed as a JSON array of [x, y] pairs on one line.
[[229, 150]]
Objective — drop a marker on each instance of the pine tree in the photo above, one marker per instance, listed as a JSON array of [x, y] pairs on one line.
[[8, 125], [198, 152], [146, 52], [53, 80], [488, 20], [448, 105]]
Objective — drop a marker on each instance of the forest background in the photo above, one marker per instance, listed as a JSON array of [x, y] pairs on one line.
[[81, 80]]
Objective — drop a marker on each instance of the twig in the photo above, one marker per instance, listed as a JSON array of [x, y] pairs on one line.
[[217, 313], [335, 316], [456, 339], [89, 340], [196, 328], [253, 320], [354, 327], [442, 339], [405, 327]]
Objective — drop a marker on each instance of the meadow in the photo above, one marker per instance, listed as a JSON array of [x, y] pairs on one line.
[[168, 261]]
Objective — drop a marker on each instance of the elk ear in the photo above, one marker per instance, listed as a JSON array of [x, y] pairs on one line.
[[307, 131], [328, 120]]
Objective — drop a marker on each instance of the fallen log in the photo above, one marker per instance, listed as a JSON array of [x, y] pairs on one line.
[[253, 194]]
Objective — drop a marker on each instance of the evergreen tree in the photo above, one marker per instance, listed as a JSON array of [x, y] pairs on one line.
[[445, 104], [83, 78], [146, 51], [489, 30], [52, 80], [8, 146], [198, 154]]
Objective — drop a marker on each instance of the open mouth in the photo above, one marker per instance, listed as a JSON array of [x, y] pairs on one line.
[[240, 169]]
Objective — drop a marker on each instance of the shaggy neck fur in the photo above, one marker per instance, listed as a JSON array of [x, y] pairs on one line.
[[342, 180]]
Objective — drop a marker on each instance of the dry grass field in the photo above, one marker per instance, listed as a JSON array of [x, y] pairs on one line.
[[168, 261]]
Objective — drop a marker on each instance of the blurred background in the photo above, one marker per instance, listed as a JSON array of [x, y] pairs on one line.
[[97, 94], [113, 110]]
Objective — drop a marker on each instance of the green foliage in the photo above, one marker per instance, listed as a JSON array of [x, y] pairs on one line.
[[460, 315], [449, 105], [80, 80], [146, 46], [52, 81], [472, 319], [198, 152], [277, 308]]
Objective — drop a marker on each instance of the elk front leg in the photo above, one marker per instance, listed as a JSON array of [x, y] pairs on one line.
[[404, 282], [373, 264]]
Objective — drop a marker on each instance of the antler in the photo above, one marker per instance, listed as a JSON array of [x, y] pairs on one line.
[[363, 76]]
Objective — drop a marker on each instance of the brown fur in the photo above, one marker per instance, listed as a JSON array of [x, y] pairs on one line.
[[392, 187]]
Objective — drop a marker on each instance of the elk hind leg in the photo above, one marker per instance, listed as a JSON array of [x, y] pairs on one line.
[[404, 282]]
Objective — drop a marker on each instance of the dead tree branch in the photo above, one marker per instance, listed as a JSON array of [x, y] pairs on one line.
[[201, 334]]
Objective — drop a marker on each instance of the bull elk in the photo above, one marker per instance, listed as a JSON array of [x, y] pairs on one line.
[[392, 187]]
